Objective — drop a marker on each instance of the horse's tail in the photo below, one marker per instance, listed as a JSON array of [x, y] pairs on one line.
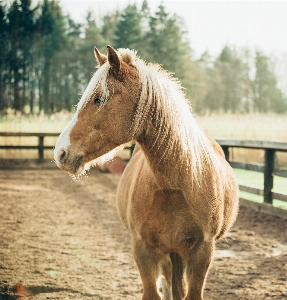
[[177, 276]]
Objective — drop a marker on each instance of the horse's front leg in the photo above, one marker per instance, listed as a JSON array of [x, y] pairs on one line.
[[197, 266], [148, 266]]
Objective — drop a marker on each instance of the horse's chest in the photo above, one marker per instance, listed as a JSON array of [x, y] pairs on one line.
[[168, 223]]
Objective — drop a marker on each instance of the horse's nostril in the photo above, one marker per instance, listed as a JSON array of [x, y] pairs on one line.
[[62, 156]]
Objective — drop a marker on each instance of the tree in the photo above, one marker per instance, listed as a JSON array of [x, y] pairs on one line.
[[21, 30], [46, 59], [128, 31], [93, 37], [267, 95], [52, 27], [70, 73], [4, 40], [109, 26], [145, 16], [234, 74], [167, 43]]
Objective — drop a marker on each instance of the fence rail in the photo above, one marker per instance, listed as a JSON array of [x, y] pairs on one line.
[[40, 147], [270, 148]]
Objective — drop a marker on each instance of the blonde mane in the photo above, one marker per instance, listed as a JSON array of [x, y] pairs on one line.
[[163, 99]]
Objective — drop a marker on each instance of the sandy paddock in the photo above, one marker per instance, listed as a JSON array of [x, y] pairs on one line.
[[64, 240]]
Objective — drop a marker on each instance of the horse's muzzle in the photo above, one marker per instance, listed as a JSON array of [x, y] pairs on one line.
[[67, 162]]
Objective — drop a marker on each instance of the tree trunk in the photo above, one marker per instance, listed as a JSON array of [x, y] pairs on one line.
[[46, 85]]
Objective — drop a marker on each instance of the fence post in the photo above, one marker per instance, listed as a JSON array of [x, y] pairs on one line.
[[41, 149], [132, 147], [268, 174], [226, 152]]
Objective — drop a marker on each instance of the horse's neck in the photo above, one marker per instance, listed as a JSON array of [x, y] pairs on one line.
[[167, 166], [173, 144]]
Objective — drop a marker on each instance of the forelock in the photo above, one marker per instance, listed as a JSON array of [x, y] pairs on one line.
[[99, 79]]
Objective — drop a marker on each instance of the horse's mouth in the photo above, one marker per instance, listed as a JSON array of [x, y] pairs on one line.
[[74, 166]]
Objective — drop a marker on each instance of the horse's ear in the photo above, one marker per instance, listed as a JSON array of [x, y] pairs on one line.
[[101, 58], [114, 59]]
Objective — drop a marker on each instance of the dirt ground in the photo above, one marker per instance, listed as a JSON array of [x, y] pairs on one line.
[[63, 240]]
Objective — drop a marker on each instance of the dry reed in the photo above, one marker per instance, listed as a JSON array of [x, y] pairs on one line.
[[264, 127]]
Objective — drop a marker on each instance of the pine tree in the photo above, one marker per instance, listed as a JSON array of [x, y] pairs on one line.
[[28, 20], [267, 95], [209, 85], [21, 30], [4, 40], [93, 37], [166, 44], [235, 80], [128, 31], [65, 69], [145, 16], [109, 26], [52, 28], [46, 59]]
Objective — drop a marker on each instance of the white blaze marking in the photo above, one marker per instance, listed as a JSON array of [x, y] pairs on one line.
[[63, 141], [98, 79]]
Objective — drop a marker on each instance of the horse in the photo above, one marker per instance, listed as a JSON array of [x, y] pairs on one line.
[[177, 195]]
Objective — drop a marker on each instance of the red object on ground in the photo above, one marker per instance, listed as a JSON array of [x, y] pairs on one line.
[[116, 165], [22, 293]]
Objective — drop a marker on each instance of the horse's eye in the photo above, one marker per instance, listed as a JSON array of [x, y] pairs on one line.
[[98, 101]]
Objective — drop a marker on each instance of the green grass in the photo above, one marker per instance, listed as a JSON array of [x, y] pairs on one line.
[[255, 179]]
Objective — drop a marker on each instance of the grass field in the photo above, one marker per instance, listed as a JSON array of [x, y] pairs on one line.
[[11, 123], [248, 127], [268, 127], [264, 127], [39, 123], [255, 127]]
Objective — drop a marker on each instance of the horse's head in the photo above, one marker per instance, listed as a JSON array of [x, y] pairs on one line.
[[104, 114]]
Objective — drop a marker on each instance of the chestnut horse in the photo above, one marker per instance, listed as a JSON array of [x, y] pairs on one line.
[[178, 194]]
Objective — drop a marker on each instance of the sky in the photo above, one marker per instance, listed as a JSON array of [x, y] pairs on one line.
[[212, 24]]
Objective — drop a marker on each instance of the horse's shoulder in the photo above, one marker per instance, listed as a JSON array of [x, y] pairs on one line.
[[217, 148]]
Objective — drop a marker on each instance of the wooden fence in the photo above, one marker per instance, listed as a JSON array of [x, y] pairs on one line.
[[40, 147], [269, 148]]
